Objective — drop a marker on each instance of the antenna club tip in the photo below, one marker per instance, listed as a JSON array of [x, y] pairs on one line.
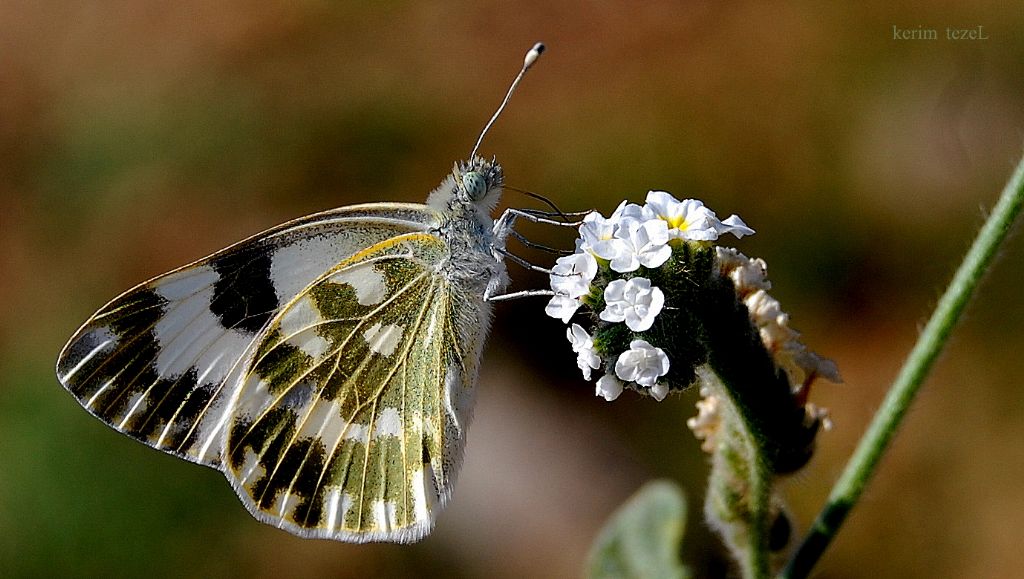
[[533, 54], [531, 57]]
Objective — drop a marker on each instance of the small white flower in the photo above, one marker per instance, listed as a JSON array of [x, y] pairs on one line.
[[586, 357], [608, 387], [639, 243], [562, 307], [627, 210], [633, 301], [642, 363], [596, 234], [687, 219], [572, 274], [690, 219], [659, 391], [610, 238]]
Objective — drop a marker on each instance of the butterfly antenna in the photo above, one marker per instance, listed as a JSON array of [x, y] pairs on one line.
[[531, 57]]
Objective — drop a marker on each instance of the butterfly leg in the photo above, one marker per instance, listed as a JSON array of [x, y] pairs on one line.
[[508, 218], [522, 239], [512, 257], [516, 295], [504, 227]]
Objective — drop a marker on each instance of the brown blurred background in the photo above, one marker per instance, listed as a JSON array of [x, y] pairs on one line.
[[136, 136]]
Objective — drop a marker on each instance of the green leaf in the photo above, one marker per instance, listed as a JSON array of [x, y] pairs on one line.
[[642, 538]]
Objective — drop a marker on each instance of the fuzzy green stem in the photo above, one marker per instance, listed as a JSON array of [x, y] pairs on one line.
[[739, 492], [757, 561], [865, 459]]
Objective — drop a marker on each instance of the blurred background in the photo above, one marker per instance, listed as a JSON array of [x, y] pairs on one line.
[[138, 136]]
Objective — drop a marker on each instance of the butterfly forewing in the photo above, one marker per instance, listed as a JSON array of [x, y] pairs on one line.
[[326, 366], [340, 428], [154, 362]]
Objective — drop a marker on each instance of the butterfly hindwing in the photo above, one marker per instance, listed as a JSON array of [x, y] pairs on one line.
[[341, 427], [157, 362]]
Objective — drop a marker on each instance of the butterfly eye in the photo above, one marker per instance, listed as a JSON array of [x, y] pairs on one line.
[[474, 185]]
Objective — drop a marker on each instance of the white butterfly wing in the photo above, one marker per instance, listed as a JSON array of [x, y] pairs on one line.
[[326, 366], [155, 363]]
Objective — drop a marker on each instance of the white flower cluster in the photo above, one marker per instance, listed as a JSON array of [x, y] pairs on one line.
[[634, 236], [638, 235], [641, 364]]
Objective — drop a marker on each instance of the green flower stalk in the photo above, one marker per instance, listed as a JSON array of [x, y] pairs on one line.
[[661, 308], [862, 465]]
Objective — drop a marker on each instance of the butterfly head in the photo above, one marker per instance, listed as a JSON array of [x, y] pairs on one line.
[[479, 182], [475, 184]]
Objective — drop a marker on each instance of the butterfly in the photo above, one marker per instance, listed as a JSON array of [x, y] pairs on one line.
[[326, 366]]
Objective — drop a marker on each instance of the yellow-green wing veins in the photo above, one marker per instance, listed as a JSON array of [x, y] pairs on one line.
[[344, 426]]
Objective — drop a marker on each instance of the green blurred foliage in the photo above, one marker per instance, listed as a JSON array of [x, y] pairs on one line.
[[135, 137], [642, 539]]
